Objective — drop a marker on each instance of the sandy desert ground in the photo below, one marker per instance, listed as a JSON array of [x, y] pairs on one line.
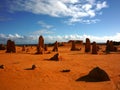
[[48, 75]]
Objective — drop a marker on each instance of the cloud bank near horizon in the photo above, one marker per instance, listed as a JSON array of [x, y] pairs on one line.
[[33, 39], [83, 11]]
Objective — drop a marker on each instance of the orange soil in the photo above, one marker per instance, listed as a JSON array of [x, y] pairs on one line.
[[47, 75]]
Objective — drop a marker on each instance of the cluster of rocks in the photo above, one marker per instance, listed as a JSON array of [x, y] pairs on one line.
[[10, 47], [94, 49], [110, 46]]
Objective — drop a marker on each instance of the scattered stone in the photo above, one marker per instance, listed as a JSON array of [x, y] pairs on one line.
[[87, 45], [55, 48], [10, 47], [95, 75], [94, 48], [66, 70], [33, 67], [1, 66], [55, 57]]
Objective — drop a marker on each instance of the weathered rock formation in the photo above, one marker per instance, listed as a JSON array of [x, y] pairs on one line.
[[10, 47], [95, 75], [66, 70], [23, 48], [94, 48], [55, 57], [1, 66], [110, 46], [33, 67], [2, 47], [55, 48], [87, 45], [73, 48], [40, 46], [45, 47]]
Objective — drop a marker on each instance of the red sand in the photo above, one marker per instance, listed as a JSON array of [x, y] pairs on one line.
[[47, 75]]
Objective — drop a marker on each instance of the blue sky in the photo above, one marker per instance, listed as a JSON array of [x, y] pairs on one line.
[[25, 20]]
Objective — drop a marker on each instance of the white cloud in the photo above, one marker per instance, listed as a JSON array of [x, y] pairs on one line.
[[93, 21], [100, 5], [45, 25], [42, 32], [73, 9], [19, 39]]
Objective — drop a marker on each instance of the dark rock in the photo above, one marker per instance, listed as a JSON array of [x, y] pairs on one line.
[[73, 48], [40, 46], [55, 57], [87, 45], [94, 48], [33, 67], [66, 70], [10, 47], [2, 47], [55, 48], [110, 47], [1, 66], [46, 48], [23, 48], [95, 75]]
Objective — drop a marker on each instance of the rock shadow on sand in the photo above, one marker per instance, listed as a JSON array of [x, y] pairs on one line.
[[95, 75]]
